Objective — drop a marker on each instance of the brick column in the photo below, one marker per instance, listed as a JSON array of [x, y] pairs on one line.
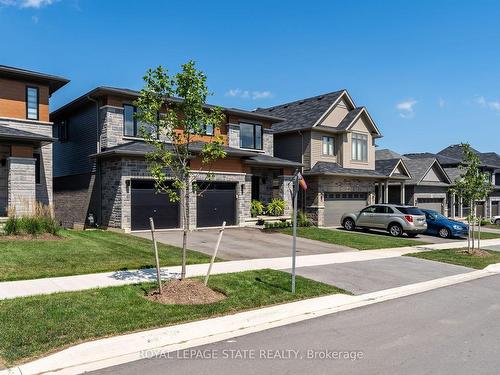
[[21, 185], [285, 193]]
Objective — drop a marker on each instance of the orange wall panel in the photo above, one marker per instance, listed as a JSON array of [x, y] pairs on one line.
[[221, 165], [21, 151], [13, 99]]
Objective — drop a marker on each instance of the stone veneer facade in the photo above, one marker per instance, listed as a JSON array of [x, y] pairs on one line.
[[22, 172], [319, 185]]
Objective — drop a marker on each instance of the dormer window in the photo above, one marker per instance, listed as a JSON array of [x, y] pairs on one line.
[[359, 147], [32, 103], [251, 136]]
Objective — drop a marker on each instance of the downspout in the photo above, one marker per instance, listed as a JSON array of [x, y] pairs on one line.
[[98, 161]]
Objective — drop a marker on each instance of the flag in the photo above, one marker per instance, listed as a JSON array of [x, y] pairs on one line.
[[302, 182]]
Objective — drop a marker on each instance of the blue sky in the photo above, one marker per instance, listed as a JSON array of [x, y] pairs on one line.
[[427, 71]]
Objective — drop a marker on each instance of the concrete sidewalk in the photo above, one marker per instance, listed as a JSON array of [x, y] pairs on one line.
[[116, 350], [24, 288]]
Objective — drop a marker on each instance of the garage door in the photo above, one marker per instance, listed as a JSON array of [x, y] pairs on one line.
[[435, 204], [336, 204], [146, 203], [495, 208], [215, 204]]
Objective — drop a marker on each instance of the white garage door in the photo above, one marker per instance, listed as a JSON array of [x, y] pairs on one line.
[[336, 204], [435, 204]]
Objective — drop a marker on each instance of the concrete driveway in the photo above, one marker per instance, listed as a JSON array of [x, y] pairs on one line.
[[245, 243], [373, 275]]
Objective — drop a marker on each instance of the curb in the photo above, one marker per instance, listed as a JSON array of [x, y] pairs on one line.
[[122, 349]]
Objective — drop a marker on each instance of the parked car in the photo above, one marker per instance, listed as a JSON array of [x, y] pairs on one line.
[[443, 227], [495, 220], [395, 219]]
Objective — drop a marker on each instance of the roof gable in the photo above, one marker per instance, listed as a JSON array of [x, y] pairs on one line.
[[427, 170]]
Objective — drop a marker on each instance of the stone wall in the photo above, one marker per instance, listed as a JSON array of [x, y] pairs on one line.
[[111, 119], [4, 173], [21, 185], [233, 135]]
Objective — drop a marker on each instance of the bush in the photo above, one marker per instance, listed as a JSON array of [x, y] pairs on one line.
[[277, 224], [276, 207], [303, 220], [32, 225], [256, 208]]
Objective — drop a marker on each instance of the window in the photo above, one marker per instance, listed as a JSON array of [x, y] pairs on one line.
[[129, 121], [37, 168], [251, 136], [328, 145], [63, 131], [410, 210], [497, 179], [132, 127], [32, 103], [209, 129], [359, 147], [369, 210]]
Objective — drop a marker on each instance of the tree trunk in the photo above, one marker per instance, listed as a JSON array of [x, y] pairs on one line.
[[185, 226]]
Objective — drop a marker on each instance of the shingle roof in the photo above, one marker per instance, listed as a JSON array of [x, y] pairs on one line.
[[386, 154], [349, 118], [327, 168], [418, 168], [386, 166], [491, 159], [10, 133], [142, 148], [301, 114], [442, 159]]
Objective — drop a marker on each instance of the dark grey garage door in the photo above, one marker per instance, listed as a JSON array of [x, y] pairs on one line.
[[215, 204], [435, 204], [146, 203], [336, 204]]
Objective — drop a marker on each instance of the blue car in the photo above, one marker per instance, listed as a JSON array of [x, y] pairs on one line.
[[443, 227]]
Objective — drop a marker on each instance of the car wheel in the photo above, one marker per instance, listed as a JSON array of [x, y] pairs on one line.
[[497, 222], [444, 233], [395, 230], [349, 224]]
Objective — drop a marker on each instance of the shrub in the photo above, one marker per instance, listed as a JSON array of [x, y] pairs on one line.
[[276, 207], [256, 208], [303, 220], [31, 225], [11, 227]]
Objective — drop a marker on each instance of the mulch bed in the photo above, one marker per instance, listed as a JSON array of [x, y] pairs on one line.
[[476, 252], [29, 237], [185, 292]]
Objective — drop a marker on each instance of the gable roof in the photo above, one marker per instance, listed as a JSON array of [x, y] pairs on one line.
[[54, 82], [442, 159], [420, 167], [302, 114], [389, 167], [488, 159]]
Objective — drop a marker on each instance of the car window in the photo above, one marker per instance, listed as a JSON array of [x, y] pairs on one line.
[[369, 210], [380, 210], [410, 211], [389, 210]]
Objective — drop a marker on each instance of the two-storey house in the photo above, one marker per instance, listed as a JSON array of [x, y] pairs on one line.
[[25, 139], [101, 175], [335, 141]]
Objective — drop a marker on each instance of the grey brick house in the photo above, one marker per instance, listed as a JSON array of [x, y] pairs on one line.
[[428, 187], [101, 176], [450, 158], [335, 141], [25, 139]]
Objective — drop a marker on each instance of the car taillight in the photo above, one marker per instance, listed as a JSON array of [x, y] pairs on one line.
[[409, 218]]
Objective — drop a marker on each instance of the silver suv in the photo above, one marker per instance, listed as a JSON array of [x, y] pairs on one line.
[[396, 219]]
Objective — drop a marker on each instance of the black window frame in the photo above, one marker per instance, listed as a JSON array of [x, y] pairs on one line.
[[134, 120], [63, 131], [38, 169], [254, 135], [37, 102]]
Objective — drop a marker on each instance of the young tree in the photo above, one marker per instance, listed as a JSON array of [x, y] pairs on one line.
[[180, 127], [473, 185]]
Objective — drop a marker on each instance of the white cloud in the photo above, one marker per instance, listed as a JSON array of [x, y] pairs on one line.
[[247, 94], [27, 3], [441, 103], [491, 104], [406, 109]]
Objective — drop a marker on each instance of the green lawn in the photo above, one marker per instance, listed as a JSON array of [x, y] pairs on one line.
[[80, 252], [34, 326], [356, 240], [487, 235], [458, 257]]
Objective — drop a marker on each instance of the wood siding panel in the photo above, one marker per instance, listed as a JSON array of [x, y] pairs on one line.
[[317, 148], [21, 151], [13, 99]]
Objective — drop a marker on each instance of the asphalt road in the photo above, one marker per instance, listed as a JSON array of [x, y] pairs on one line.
[[453, 330], [372, 275]]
